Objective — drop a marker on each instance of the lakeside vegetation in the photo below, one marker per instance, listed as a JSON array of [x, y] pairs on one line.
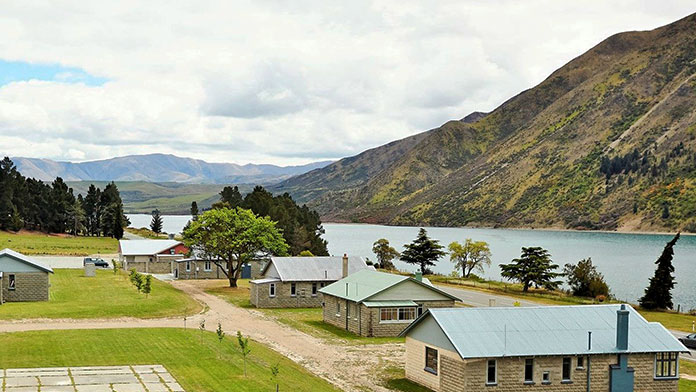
[[147, 233], [38, 243], [197, 360], [107, 295]]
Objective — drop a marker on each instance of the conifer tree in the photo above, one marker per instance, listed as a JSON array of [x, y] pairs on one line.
[[156, 223], [658, 295], [423, 251]]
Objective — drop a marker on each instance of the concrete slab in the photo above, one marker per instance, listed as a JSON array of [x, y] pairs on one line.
[[56, 388], [93, 388], [129, 388], [55, 380], [21, 381]]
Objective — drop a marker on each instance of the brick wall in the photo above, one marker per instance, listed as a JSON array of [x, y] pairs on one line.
[[259, 295], [29, 286]]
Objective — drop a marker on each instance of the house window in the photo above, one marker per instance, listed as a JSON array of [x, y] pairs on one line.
[[529, 370], [293, 289], [546, 378], [581, 363], [314, 289], [271, 290], [172, 251], [430, 360], [666, 365], [12, 282], [396, 315], [347, 310], [188, 266], [492, 372], [420, 310], [338, 310], [208, 266], [322, 284], [566, 369]]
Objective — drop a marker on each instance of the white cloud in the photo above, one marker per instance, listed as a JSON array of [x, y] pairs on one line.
[[282, 82]]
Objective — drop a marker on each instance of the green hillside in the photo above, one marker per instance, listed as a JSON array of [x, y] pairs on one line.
[[168, 197], [608, 141]]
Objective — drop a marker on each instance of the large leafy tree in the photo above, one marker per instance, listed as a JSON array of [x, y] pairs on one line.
[[231, 237], [658, 295], [584, 279], [470, 256], [423, 251], [385, 253], [533, 267]]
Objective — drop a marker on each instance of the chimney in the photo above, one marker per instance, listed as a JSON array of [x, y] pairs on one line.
[[622, 328], [419, 276], [345, 266]]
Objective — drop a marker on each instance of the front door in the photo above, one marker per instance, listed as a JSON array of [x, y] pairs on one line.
[[176, 273]]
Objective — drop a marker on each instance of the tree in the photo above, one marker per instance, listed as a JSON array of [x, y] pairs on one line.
[[194, 210], [533, 267], [232, 237], [156, 223], [275, 370], [584, 279], [231, 196], [244, 346], [658, 295], [385, 253], [220, 333], [473, 255], [147, 285], [423, 251], [306, 253]]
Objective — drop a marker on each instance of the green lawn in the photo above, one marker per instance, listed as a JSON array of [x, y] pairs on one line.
[[687, 386], [32, 243], [671, 320], [197, 360], [307, 320], [107, 295]]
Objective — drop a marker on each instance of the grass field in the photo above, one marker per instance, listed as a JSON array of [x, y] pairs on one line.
[[146, 233], [307, 320], [33, 243], [73, 295], [197, 360]]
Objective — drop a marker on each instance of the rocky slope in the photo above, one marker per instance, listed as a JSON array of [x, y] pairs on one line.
[[608, 141]]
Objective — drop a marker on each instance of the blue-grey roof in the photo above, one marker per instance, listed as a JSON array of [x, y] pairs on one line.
[[145, 247], [545, 330], [25, 259], [317, 268]]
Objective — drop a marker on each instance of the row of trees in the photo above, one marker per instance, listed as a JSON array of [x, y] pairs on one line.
[[35, 205]]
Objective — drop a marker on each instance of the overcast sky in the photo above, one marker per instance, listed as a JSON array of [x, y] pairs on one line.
[[284, 82]]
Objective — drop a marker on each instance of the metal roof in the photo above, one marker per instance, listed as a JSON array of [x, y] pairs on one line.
[[264, 280], [145, 247], [387, 304], [546, 330], [318, 268], [366, 283], [25, 259]]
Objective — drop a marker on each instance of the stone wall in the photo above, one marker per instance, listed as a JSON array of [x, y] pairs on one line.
[[259, 295], [198, 271], [29, 287]]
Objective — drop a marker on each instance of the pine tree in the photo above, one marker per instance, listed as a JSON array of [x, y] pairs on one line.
[[533, 267], [156, 223], [147, 285], [423, 251], [658, 295], [194, 210]]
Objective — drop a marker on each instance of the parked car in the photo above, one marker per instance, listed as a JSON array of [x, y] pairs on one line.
[[95, 261], [689, 340]]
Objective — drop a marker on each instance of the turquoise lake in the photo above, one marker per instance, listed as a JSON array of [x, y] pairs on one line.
[[626, 260]]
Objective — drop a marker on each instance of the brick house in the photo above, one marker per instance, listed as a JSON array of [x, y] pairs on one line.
[[372, 303], [294, 282], [22, 278], [151, 256], [551, 348]]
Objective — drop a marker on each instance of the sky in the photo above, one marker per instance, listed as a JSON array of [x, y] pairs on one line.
[[278, 82]]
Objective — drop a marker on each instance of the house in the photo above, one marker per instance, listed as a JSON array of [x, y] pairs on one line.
[[294, 282], [151, 256], [23, 279], [201, 268], [554, 348], [372, 303]]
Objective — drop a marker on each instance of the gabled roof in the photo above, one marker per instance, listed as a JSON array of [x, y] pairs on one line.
[[366, 283], [145, 247], [326, 268], [545, 330], [24, 259]]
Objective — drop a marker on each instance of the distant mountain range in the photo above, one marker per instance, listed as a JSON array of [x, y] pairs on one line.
[[160, 168], [608, 141]]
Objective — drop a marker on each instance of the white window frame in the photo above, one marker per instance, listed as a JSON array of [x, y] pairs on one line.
[[188, 266], [11, 282], [314, 289], [495, 373], [546, 378], [570, 369], [580, 363], [272, 290], [338, 309], [208, 266], [396, 315], [293, 289], [528, 380], [427, 368], [671, 358]]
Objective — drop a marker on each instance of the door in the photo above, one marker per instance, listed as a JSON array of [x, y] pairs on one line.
[[176, 273]]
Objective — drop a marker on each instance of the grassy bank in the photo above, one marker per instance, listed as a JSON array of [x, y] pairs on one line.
[[35, 243], [198, 361], [72, 295], [146, 233]]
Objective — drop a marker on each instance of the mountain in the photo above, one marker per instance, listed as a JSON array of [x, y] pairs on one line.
[[159, 168], [608, 141]]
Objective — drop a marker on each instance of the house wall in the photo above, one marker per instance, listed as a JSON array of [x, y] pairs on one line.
[[29, 286], [151, 264], [198, 271], [455, 374], [259, 295]]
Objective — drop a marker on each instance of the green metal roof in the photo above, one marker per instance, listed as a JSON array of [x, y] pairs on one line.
[[389, 304], [545, 330]]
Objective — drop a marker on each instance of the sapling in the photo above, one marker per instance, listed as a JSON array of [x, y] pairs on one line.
[[274, 375], [220, 334], [201, 326], [244, 345], [147, 286]]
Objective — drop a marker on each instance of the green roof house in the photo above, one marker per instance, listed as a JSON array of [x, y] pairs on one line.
[[22, 278], [373, 303], [550, 348]]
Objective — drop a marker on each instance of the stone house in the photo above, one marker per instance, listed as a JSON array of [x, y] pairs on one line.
[[372, 303], [22, 278], [550, 348], [294, 282], [199, 268], [151, 256]]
